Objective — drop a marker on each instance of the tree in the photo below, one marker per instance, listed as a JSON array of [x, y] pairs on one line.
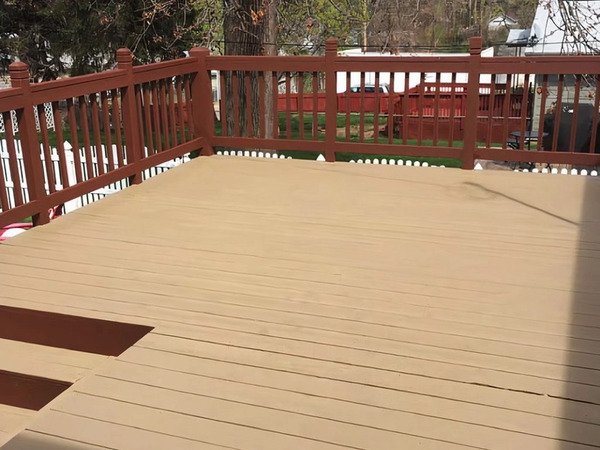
[[578, 23], [72, 37]]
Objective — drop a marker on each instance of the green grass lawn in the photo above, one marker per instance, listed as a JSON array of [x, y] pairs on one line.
[[369, 120]]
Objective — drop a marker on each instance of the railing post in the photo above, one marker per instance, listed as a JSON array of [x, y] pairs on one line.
[[470, 137], [19, 78], [202, 102], [330, 99], [133, 143]]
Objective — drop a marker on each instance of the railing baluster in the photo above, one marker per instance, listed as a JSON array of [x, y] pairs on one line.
[[49, 166], [436, 109], [347, 100], [4, 203], [156, 116], [223, 103], [300, 83], [376, 110], [248, 94], [60, 145], [405, 108], [540, 136], [73, 130], [491, 103], [315, 106], [420, 107], [97, 137], [361, 117], [180, 111], [164, 115], [172, 119], [506, 110], [107, 130], [594, 136], [452, 112], [149, 141], [262, 94], [237, 113], [12, 158], [524, 109], [190, 111], [558, 111], [117, 124], [572, 137], [275, 90], [85, 129], [390, 106], [288, 106]]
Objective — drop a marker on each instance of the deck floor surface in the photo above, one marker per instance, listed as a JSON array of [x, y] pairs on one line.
[[301, 305]]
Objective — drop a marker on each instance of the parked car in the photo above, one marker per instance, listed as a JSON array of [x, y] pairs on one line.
[[370, 89]]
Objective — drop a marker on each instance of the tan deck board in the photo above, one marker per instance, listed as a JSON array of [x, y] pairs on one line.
[[13, 420], [301, 305], [336, 400], [47, 362]]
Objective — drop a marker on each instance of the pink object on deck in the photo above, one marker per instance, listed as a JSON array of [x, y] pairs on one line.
[[14, 229]]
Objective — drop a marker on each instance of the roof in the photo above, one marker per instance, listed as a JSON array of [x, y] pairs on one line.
[[518, 37], [304, 305], [552, 34]]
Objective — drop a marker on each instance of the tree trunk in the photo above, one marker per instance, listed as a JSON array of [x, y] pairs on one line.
[[270, 49], [243, 26]]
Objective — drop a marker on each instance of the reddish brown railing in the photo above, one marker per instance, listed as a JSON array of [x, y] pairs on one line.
[[476, 119], [119, 123], [147, 115]]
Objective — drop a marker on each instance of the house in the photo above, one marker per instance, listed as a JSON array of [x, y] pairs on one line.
[[502, 22], [564, 28], [414, 77]]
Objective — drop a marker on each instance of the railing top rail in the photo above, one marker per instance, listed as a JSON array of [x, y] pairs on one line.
[[49, 91], [10, 98], [556, 65], [189, 63], [267, 63]]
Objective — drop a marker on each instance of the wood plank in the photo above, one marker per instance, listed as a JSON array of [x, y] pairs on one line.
[[12, 421], [413, 308], [473, 393], [366, 407], [347, 336], [29, 440], [72, 431], [386, 320], [309, 428], [174, 423], [43, 361]]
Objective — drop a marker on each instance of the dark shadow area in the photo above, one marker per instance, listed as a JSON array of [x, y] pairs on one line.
[[82, 334], [581, 400]]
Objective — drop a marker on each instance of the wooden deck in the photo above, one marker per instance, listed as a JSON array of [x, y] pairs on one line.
[[301, 305]]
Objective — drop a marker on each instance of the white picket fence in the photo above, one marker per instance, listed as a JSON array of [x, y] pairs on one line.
[[71, 172]]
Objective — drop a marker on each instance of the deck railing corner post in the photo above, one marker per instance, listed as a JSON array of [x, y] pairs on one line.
[[131, 125], [470, 134], [202, 101], [30, 146], [331, 51]]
